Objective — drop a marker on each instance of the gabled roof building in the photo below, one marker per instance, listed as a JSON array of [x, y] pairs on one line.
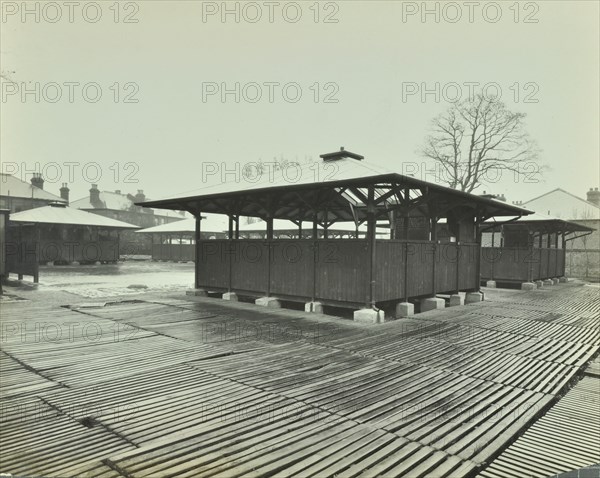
[[370, 273], [17, 195]]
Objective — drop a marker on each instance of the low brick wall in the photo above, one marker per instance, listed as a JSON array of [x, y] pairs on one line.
[[583, 264]]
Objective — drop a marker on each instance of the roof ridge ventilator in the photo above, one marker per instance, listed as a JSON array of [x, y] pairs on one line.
[[341, 154]]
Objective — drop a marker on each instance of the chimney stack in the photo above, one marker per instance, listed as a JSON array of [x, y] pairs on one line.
[[37, 180], [593, 196], [95, 196], [140, 196], [64, 192]]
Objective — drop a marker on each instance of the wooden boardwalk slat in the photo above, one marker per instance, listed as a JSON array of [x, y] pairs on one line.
[[185, 390]]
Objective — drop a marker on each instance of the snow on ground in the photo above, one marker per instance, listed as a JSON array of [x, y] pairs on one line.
[[109, 280]]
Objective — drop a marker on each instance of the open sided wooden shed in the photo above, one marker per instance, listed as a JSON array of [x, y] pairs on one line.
[[365, 272], [175, 241], [283, 229], [60, 234], [529, 249]]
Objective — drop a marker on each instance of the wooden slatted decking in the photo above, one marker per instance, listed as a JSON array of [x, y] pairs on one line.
[[566, 438], [178, 387]]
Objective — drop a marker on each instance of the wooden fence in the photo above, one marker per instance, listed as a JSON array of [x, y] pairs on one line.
[[21, 252], [173, 252], [337, 271], [515, 264]]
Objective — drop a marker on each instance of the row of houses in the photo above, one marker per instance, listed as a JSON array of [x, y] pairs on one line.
[[17, 196]]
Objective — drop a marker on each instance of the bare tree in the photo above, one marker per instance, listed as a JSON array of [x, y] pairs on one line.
[[477, 139]]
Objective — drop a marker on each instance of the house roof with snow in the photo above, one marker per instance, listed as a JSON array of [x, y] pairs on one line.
[[12, 186], [58, 213], [115, 200]]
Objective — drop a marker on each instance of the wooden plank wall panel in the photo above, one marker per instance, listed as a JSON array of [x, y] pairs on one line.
[[249, 266], [447, 257], [213, 265], [420, 268], [389, 271], [504, 263], [468, 258], [292, 267], [342, 270]]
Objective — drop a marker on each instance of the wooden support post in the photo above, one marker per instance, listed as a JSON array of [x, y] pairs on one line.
[[478, 235], [269, 253], [198, 250], [300, 230], [325, 229], [237, 226], [531, 243], [564, 254], [458, 238], [315, 255], [405, 225], [371, 247], [230, 253], [433, 236], [36, 265]]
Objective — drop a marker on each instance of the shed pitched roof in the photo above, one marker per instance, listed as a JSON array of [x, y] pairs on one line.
[[67, 215], [298, 187], [543, 222], [210, 223], [14, 187]]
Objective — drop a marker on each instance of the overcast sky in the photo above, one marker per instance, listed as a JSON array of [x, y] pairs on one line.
[[161, 68]]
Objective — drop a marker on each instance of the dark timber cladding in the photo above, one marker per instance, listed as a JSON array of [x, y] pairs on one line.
[[528, 249], [413, 262]]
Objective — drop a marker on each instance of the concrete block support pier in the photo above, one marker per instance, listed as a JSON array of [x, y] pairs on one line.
[[529, 286], [271, 302], [232, 296], [456, 299], [314, 307], [472, 297], [369, 316], [491, 284], [405, 309], [432, 303]]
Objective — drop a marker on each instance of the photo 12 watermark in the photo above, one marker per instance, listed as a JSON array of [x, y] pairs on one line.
[[90, 92], [270, 12], [71, 171], [454, 91], [270, 92], [69, 12], [268, 172], [470, 12], [66, 332]]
